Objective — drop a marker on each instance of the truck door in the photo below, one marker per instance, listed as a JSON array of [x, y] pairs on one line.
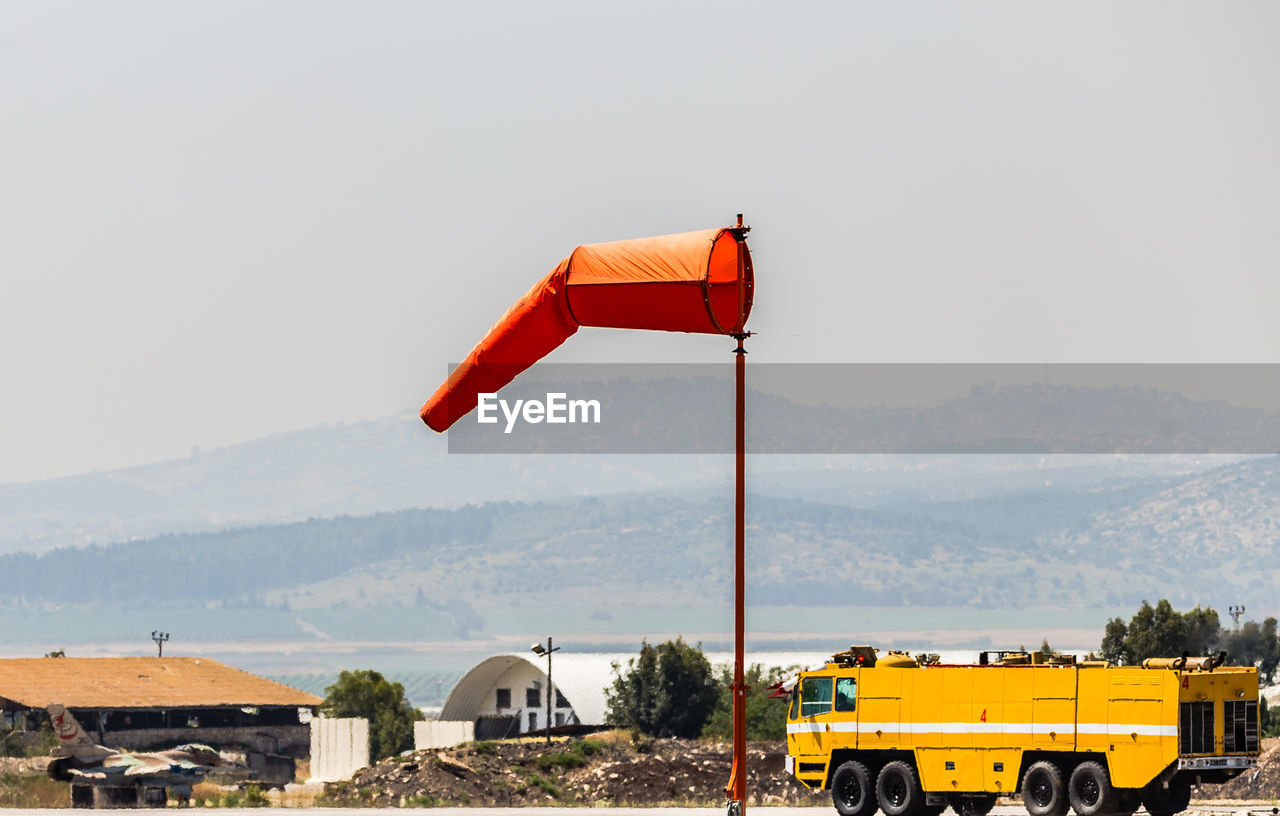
[[817, 700], [844, 722]]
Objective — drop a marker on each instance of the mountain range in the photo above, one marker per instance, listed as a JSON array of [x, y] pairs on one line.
[[931, 452], [373, 532]]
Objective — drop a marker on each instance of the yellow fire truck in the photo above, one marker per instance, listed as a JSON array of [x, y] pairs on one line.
[[911, 736]]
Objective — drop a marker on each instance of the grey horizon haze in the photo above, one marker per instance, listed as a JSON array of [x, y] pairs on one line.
[[223, 220]]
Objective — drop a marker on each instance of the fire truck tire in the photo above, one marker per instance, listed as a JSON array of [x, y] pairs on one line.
[[978, 804], [1161, 802], [851, 790], [898, 790], [1090, 790], [1127, 801], [1043, 792]]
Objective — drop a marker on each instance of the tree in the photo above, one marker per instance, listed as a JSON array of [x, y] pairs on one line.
[[766, 717], [1254, 645], [1268, 726], [667, 691], [366, 693], [1270, 659], [1202, 631], [1113, 641], [1161, 631]]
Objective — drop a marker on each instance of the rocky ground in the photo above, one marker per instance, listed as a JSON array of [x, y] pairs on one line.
[[1261, 784], [611, 770]]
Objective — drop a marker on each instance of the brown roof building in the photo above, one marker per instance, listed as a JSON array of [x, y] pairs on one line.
[[139, 682], [145, 702]]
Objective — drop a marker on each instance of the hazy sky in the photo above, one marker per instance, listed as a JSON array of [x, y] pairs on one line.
[[222, 219]]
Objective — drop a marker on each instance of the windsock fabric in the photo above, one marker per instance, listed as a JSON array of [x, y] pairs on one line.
[[686, 282]]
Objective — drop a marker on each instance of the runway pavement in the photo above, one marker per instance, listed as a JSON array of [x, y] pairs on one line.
[[1255, 809]]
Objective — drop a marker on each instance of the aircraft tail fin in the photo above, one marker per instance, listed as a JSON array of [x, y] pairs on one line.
[[71, 737]]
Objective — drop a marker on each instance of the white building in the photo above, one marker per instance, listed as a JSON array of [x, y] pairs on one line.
[[506, 695]]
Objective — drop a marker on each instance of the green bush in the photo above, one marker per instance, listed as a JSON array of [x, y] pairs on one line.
[[565, 759], [669, 690], [575, 757], [766, 717], [254, 797], [545, 784], [18, 791], [18, 743]]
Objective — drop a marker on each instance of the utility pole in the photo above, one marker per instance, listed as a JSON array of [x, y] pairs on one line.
[[160, 638], [540, 650]]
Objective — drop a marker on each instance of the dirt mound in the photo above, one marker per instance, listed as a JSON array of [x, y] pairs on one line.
[[577, 772], [613, 770], [1260, 784]]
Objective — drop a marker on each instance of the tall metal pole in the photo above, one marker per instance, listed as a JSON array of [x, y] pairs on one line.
[[738, 795], [549, 651], [540, 650], [737, 790]]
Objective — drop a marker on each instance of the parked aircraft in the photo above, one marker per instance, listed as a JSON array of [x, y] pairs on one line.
[[124, 778]]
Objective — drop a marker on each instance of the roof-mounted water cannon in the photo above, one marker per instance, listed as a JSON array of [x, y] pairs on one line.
[[1186, 663], [855, 657], [1004, 657], [1021, 657]]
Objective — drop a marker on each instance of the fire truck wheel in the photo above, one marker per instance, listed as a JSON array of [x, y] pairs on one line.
[[1127, 801], [851, 790], [898, 790], [974, 805], [1043, 793], [1090, 790], [1165, 802]]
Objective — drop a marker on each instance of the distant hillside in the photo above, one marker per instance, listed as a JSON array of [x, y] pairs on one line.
[[353, 469], [1218, 530], [396, 463], [1202, 538]]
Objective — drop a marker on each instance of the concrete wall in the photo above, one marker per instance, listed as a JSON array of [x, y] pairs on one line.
[[339, 747], [272, 739], [442, 733]]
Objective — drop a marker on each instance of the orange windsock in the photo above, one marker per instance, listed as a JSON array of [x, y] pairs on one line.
[[689, 282]]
